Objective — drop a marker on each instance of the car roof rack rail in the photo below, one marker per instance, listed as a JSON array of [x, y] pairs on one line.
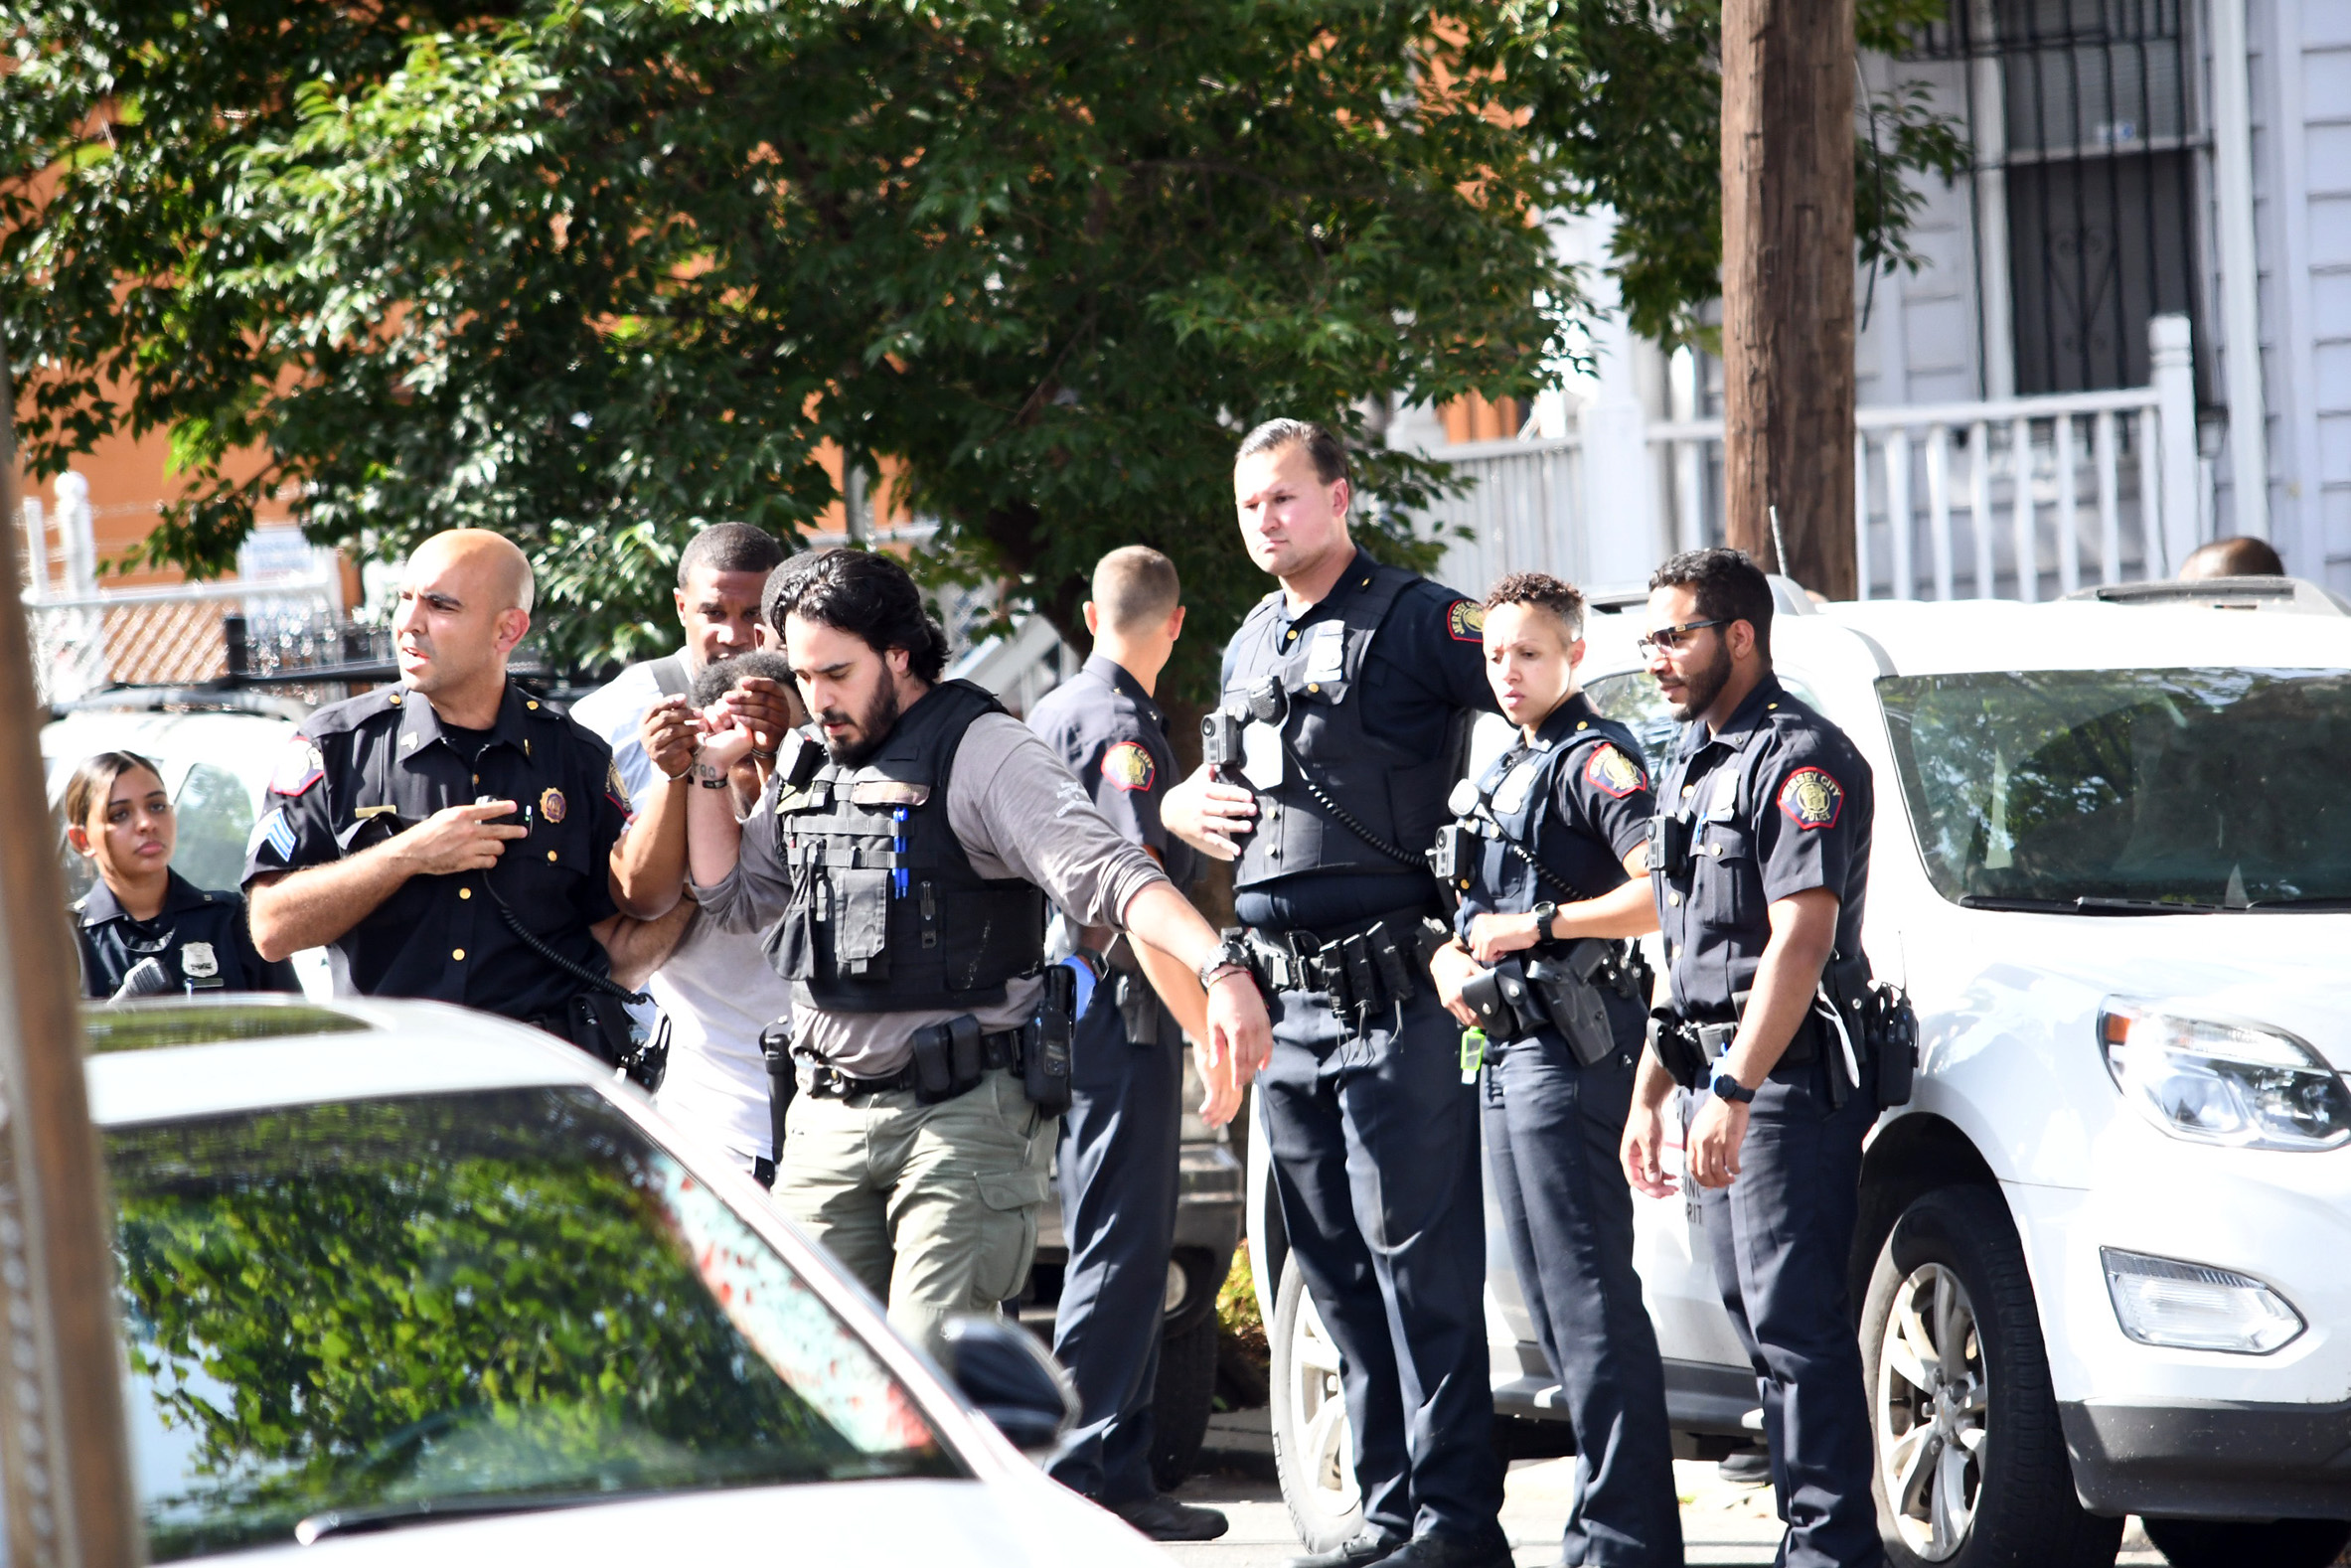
[[2278, 595]]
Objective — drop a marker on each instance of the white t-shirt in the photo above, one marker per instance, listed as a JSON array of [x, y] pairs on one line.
[[716, 989]]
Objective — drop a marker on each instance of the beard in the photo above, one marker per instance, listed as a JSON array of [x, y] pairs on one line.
[[873, 728], [1704, 686]]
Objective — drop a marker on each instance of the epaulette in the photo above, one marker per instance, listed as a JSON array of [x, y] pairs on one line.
[[348, 714]]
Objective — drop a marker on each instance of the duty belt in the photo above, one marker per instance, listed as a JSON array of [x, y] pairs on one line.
[[1374, 968], [821, 1081]]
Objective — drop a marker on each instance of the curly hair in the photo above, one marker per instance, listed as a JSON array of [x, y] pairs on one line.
[[865, 593], [1540, 589]]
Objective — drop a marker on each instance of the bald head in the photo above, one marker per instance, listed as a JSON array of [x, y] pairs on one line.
[[464, 603], [493, 560]]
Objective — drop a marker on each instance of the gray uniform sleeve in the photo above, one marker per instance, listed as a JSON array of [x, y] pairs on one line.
[[1018, 812], [755, 894]]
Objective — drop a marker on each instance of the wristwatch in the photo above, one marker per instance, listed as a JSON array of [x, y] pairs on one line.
[[1230, 953], [1726, 1085], [1543, 919]]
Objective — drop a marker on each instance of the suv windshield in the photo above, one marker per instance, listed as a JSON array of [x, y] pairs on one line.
[[454, 1300], [2193, 787]]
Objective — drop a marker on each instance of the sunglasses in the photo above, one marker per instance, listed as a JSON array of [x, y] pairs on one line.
[[1672, 639]]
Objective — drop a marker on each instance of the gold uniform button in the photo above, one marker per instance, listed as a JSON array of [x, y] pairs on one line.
[[1673, 900], [534, 707], [1314, 686], [465, 892], [550, 855], [458, 954], [1582, 724], [1714, 850], [394, 700], [1293, 632]]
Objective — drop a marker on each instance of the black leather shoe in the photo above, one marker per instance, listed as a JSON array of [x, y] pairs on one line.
[[1357, 1551], [1163, 1518], [1453, 1552]]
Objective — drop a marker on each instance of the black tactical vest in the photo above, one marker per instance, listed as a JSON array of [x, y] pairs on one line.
[[887, 914], [1516, 789], [1399, 795]]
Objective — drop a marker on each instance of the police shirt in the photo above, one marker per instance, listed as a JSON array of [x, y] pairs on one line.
[[200, 938], [1600, 809], [1426, 663], [1112, 736], [1778, 802], [363, 770]]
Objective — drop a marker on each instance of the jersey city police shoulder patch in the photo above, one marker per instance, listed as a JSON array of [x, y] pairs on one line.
[[1128, 765], [1467, 621], [1811, 798], [301, 767], [1613, 773], [615, 786]]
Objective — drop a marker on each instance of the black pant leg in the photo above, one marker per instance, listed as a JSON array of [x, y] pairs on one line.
[[1555, 1126], [1413, 1164], [1781, 1236], [1308, 1142], [1120, 1147]]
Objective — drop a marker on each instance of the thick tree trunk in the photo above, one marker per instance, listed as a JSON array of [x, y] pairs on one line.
[[1788, 284]]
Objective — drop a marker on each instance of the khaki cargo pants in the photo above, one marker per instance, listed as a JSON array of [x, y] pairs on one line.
[[933, 1208]]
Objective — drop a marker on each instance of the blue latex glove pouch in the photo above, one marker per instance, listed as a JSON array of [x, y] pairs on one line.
[[1085, 984]]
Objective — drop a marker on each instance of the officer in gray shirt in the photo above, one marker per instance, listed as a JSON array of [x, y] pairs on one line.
[[905, 868]]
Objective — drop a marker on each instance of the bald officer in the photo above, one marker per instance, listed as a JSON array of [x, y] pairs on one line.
[[449, 837], [1120, 1136]]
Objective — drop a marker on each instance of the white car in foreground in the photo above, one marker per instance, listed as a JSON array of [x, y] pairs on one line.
[[402, 1281], [2104, 1265]]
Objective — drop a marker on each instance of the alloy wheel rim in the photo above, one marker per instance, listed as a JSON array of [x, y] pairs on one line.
[[1933, 1409], [1318, 1401]]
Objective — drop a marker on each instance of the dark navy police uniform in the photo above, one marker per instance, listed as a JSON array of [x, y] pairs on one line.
[[1372, 1133], [364, 769], [1121, 1136], [200, 938], [1777, 803], [1578, 801]]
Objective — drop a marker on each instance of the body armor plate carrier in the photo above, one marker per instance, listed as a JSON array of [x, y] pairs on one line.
[[887, 914]]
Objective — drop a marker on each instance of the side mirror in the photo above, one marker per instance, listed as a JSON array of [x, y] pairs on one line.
[[1001, 1369]]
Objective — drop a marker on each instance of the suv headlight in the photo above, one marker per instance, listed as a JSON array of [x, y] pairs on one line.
[[2222, 1081], [2195, 1307]]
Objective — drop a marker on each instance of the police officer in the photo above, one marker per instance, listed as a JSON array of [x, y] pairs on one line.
[[904, 868], [449, 837], [1558, 829], [119, 816], [1353, 680], [1120, 1136], [1760, 864]]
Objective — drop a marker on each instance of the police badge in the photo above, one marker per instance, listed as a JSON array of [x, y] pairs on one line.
[[197, 961]]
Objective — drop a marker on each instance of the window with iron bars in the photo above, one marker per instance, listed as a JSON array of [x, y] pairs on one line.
[[2088, 184]]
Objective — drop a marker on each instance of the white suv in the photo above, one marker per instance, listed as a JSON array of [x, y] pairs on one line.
[[2104, 1264]]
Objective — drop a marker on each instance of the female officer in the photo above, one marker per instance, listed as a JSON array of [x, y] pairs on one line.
[[1559, 824], [118, 815]]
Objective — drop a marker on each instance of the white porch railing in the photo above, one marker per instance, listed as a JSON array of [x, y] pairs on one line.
[[2026, 498]]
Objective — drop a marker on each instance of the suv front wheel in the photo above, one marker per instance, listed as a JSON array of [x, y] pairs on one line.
[[1313, 1444], [1971, 1466]]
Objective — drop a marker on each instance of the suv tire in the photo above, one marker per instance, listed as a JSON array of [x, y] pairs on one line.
[[1314, 1445], [1970, 1464], [2233, 1543], [1181, 1400]]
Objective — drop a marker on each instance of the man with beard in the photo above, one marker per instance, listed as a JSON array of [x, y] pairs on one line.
[[1760, 861], [905, 866]]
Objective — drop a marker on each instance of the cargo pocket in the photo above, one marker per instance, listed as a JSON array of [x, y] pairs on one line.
[[1008, 1232]]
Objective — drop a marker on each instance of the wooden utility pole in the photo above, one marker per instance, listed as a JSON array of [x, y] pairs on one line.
[[1788, 284], [62, 1447]]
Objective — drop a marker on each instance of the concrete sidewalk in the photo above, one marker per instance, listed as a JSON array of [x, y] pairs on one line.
[[1722, 1525]]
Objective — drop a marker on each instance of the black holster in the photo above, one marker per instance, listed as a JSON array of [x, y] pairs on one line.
[[1566, 985], [775, 1048], [1045, 1044], [601, 1027]]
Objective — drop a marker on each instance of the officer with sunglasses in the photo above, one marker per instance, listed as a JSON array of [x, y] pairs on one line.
[[1758, 860]]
